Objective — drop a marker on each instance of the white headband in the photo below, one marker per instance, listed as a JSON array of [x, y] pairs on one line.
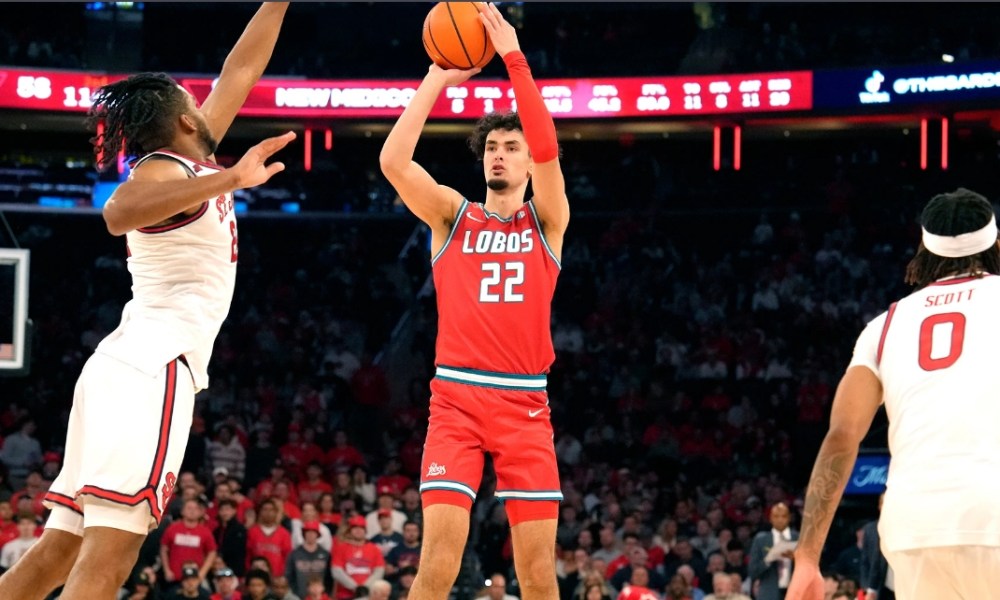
[[966, 244]]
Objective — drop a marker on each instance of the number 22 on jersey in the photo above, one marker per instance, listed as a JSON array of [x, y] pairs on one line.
[[511, 275]]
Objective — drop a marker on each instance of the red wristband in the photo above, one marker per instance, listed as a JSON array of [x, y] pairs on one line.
[[539, 128]]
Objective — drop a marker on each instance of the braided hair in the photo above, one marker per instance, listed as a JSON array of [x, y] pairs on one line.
[[951, 214], [139, 116]]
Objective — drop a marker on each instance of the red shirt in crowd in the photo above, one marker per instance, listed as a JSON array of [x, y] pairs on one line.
[[637, 592], [310, 491], [348, 456], [185, 543], [397, 483], [265, 490], [275, 547], [358, 561]]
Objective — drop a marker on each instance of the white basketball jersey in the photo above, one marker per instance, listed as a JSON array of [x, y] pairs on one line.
[[183, 275], [936, 354]]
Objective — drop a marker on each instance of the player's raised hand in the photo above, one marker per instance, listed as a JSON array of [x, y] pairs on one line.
[[251, 170], [501, 33], [451, 77]]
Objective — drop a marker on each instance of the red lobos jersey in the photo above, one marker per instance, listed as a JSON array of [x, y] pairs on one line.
[[495, 279]]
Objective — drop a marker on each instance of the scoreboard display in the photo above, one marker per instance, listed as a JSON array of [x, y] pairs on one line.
[[600, 98]]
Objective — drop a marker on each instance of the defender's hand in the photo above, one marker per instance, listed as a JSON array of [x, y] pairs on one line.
[[251, 170]]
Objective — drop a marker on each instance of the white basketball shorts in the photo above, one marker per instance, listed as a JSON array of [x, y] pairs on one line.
[[125, 443], [953, 572]]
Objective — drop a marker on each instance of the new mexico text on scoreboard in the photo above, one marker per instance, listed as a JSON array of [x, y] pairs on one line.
[[570, 98]]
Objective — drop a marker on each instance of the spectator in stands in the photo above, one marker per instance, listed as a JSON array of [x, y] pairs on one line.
[[187, 540], [638, 558], [704, 541], [363, 488], [21, 452], [311, 515], [258, 583], [689, 575], [328, 513], [342, 454], [608, 552], [33, 492], [307, 561], [190, 585], [231, 537], [8, 525], [406, 554], [392, 477], [316, 590], [281, 589], [386, 501], [386, 539], [226, 452], [638, 586], [26, 537], [594, 591], [723, 588], [260, 456], [411, 504], [268, 539], [265, 489], [287, 504], [356, 562], [226, 582], [313, 486], [716, 564], [142, 587], [496, 589], [678, 589], [736, 558]]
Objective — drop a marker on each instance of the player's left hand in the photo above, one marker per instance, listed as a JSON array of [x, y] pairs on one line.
[[807, 583], [501, 33]]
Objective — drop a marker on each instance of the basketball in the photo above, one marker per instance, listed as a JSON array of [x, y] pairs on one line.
[[454, 38]]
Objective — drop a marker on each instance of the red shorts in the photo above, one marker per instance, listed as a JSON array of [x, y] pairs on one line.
[[474, 412]]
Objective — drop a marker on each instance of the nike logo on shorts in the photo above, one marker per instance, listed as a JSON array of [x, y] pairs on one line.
[[534, 413]]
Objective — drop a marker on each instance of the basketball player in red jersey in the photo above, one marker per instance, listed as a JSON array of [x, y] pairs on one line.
[[133, 403], [495, 266]]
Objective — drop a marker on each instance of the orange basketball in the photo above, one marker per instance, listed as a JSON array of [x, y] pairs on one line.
[[454, 38]]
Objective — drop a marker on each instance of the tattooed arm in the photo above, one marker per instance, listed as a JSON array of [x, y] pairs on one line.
[[858, 398]]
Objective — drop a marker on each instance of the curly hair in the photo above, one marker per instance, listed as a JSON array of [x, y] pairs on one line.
[[951, 214], [508, 121], [139, 116]]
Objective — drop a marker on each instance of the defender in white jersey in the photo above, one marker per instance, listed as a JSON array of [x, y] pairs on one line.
[[133, 403], [931, 358]]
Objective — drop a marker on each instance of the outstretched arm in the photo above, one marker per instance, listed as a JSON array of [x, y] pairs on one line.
[[159, 189], [243, 68], [854, 406], [539, 129], [432, 203]]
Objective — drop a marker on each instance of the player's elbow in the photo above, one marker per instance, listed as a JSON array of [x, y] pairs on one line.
[[844, 437], [389, 164], [114, 222]]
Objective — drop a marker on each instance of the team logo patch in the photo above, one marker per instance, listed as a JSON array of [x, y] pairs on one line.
[[436, 470], [168, 488]]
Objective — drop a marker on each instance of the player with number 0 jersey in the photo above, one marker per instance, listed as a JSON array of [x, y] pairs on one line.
[[931, 358], [495, 266]]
